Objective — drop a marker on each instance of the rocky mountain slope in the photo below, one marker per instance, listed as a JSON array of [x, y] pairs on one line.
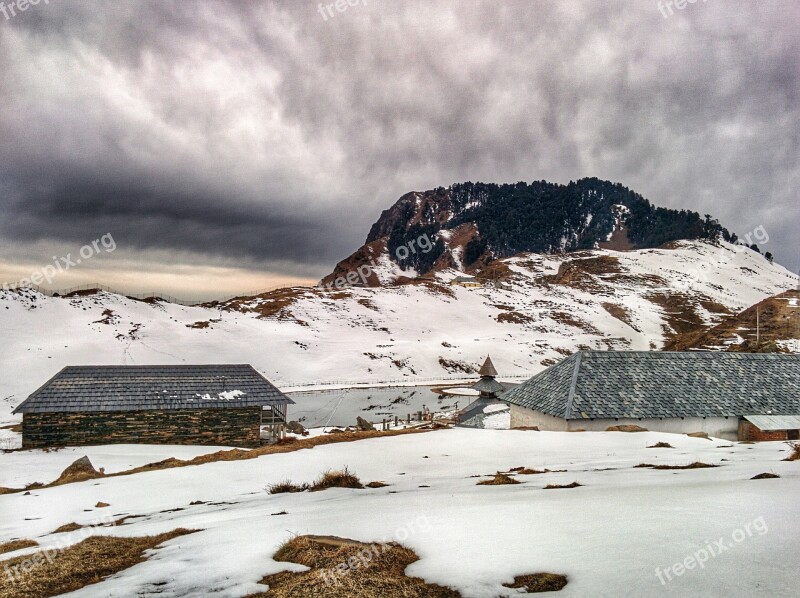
[[466, 226], [770, 325], [532, 310]]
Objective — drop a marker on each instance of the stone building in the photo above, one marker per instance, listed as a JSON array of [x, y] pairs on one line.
[[226, 405]]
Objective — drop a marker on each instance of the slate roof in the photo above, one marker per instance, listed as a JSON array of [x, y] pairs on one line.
[[139, 388], [472, 415], [769, 423], [489, 385], [644, 384]]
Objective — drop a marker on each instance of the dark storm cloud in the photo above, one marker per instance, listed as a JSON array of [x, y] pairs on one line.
[[265, 133]]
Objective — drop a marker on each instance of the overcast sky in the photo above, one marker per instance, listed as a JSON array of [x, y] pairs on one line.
[[228, 146]]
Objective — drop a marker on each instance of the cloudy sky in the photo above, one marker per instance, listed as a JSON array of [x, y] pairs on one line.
[[230, 146]]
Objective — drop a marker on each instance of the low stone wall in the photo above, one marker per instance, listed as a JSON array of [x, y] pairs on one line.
[[220, 427]]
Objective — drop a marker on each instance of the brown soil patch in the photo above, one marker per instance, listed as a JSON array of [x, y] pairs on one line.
[[78, 566], [569, 320], [199, 325], [340, 567], [538, 582], [274, 305], [582, 271], [766, 476], [15, 545], [452, 365], [362, 257], [68, 528], [695, 465], [619, 240], [557, 487], [377, 485], [499, 479], [626, 428], [513, 317], [620, 313], [681, 313]]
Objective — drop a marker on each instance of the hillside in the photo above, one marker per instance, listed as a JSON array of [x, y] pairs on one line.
[[547, 307], [775, 321], [466, 226]]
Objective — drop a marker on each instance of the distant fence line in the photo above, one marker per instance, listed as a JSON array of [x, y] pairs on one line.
[[340, 384], [139, 296]]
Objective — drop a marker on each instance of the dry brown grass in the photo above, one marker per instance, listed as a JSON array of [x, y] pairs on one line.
[[695, 465], [15, 545], [78, 566], [330, 479], [69, 527], [378, 571], [795, 456], [661, 445], [337, 479], [499, 479], [377, 485], [230, 455], [538, 582], [564, 487], [286, 487]]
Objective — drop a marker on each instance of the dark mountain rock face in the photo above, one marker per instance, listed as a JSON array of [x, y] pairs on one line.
[[469, 225]]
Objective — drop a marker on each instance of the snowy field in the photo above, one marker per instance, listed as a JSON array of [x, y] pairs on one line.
[[21, 468], [609, 536]]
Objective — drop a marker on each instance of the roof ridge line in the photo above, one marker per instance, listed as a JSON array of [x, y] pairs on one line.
[[573, 384]]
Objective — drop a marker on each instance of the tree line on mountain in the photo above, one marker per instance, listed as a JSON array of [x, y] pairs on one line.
[[546, 217]]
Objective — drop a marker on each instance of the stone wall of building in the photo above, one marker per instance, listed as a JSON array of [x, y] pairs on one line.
[[216, 427], [718, 427], [748, 431]]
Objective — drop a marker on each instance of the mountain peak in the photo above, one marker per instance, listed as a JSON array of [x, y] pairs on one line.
[[467, 226]]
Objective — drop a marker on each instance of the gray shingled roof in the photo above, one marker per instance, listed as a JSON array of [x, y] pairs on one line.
[[487, 369], [489, 385], [137, 388], [642, 384]]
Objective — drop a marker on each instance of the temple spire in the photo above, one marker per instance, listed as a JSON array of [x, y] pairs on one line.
[[487, 369]]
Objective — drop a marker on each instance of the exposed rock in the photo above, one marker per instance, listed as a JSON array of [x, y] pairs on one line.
[[364, 425], [295, 427], [626, 428], [82, 469]]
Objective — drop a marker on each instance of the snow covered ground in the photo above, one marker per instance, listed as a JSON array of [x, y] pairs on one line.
[[412, 333], [20, 468], [609, 536]]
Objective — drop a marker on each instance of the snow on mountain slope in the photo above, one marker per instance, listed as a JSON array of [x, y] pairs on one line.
[[548, 307]]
